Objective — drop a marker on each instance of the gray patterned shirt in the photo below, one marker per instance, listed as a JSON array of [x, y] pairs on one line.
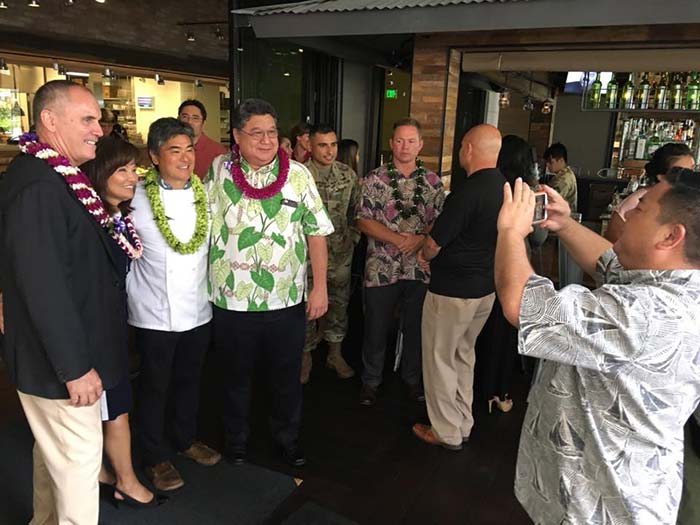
[[602, 440]]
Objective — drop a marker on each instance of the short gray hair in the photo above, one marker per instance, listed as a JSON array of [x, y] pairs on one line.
[[49, 93], [163, 129]]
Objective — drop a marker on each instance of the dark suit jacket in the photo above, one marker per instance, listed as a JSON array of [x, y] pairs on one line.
[[63, 295]]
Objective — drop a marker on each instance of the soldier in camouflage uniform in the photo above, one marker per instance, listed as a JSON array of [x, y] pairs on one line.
[[338, 186], [563, 178], [564, 181]]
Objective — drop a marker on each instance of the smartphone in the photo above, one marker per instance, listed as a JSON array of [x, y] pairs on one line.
[[540, 208]]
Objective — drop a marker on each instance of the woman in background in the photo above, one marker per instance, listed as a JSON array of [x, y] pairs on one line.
[[349, 153], [497, 345], [113, 175]]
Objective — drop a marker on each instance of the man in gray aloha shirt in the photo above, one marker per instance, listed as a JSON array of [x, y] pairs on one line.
[[602, 440]]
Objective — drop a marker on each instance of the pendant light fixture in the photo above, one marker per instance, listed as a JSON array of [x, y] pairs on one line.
[[504, 96]]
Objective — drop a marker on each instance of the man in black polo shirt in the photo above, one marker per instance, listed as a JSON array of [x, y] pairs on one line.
[[461, 248]]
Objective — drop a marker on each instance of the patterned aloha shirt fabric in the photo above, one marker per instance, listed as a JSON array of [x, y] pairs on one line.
[[385, 263], [602, 440], [257, 254]]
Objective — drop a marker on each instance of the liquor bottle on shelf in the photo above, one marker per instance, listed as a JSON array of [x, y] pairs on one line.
[[654, 141], [676, 92], [661, 98], [631, 146], [627, 95], [692, 93], [611, 93], [640, 147], [643, 91], [594, 93]]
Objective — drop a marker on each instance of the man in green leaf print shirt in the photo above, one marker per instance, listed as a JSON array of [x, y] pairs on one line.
[[266, 211]]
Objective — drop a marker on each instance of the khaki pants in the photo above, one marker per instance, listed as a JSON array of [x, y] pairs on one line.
[[67, 458], [450, 327]]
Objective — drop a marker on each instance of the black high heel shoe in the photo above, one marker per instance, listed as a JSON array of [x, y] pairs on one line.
[[156, 501]]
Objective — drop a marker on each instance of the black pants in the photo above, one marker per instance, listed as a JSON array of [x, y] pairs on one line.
[[496, 354], [171, 368], [380, 304], [274, 339]]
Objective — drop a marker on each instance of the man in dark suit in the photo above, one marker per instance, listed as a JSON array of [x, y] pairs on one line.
[[63, 316]]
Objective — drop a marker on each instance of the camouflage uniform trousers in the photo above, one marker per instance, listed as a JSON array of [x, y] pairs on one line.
[[333, 325]]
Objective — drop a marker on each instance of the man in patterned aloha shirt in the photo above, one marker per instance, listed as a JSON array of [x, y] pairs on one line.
[[602, 440], [266, 212], [398, 203]]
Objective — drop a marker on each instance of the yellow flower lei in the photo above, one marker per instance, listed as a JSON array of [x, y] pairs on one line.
[[200, 205]]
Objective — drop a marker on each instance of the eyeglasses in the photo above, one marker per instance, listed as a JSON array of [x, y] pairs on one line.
[[258, 134], [187, 118]]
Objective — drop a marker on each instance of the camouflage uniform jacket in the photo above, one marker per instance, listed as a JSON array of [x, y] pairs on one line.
[[340, 192], [564, 181]]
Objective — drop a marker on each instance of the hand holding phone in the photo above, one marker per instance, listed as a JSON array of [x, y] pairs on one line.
[[540, 214]]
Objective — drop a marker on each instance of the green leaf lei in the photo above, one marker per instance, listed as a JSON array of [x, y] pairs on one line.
[[407, 213], [200, 206]]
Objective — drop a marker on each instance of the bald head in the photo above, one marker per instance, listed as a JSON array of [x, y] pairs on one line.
[[480, 148]]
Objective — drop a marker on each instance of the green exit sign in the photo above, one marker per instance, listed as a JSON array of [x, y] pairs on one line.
[[391, 93]]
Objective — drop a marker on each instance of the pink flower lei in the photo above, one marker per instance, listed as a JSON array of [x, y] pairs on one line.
[[266, 191], [82, 188]]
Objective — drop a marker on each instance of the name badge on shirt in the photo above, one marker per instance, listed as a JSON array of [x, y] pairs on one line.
[[290, 203]]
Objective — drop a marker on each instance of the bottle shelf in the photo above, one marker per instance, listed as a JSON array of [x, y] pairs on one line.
[[641, 112]]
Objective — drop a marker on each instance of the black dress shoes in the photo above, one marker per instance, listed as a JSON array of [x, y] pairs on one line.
[[236, 455], [368, 396], [414, 393], [294, 456]]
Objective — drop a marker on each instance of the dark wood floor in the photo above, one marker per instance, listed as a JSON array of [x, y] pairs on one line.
[[364, 463]]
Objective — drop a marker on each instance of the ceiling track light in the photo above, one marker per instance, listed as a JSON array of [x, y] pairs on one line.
[[33, 3], [69, 2], [189, 36], [198, 83], [159, 79], [3, 5], [3, 64], [61, 69], [100, 1], [108, 73], [219, 34]]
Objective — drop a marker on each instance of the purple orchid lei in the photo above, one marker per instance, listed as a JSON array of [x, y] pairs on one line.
[[266, 191]]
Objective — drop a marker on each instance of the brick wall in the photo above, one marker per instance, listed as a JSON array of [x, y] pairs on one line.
[[149, 26], [434, 90]]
